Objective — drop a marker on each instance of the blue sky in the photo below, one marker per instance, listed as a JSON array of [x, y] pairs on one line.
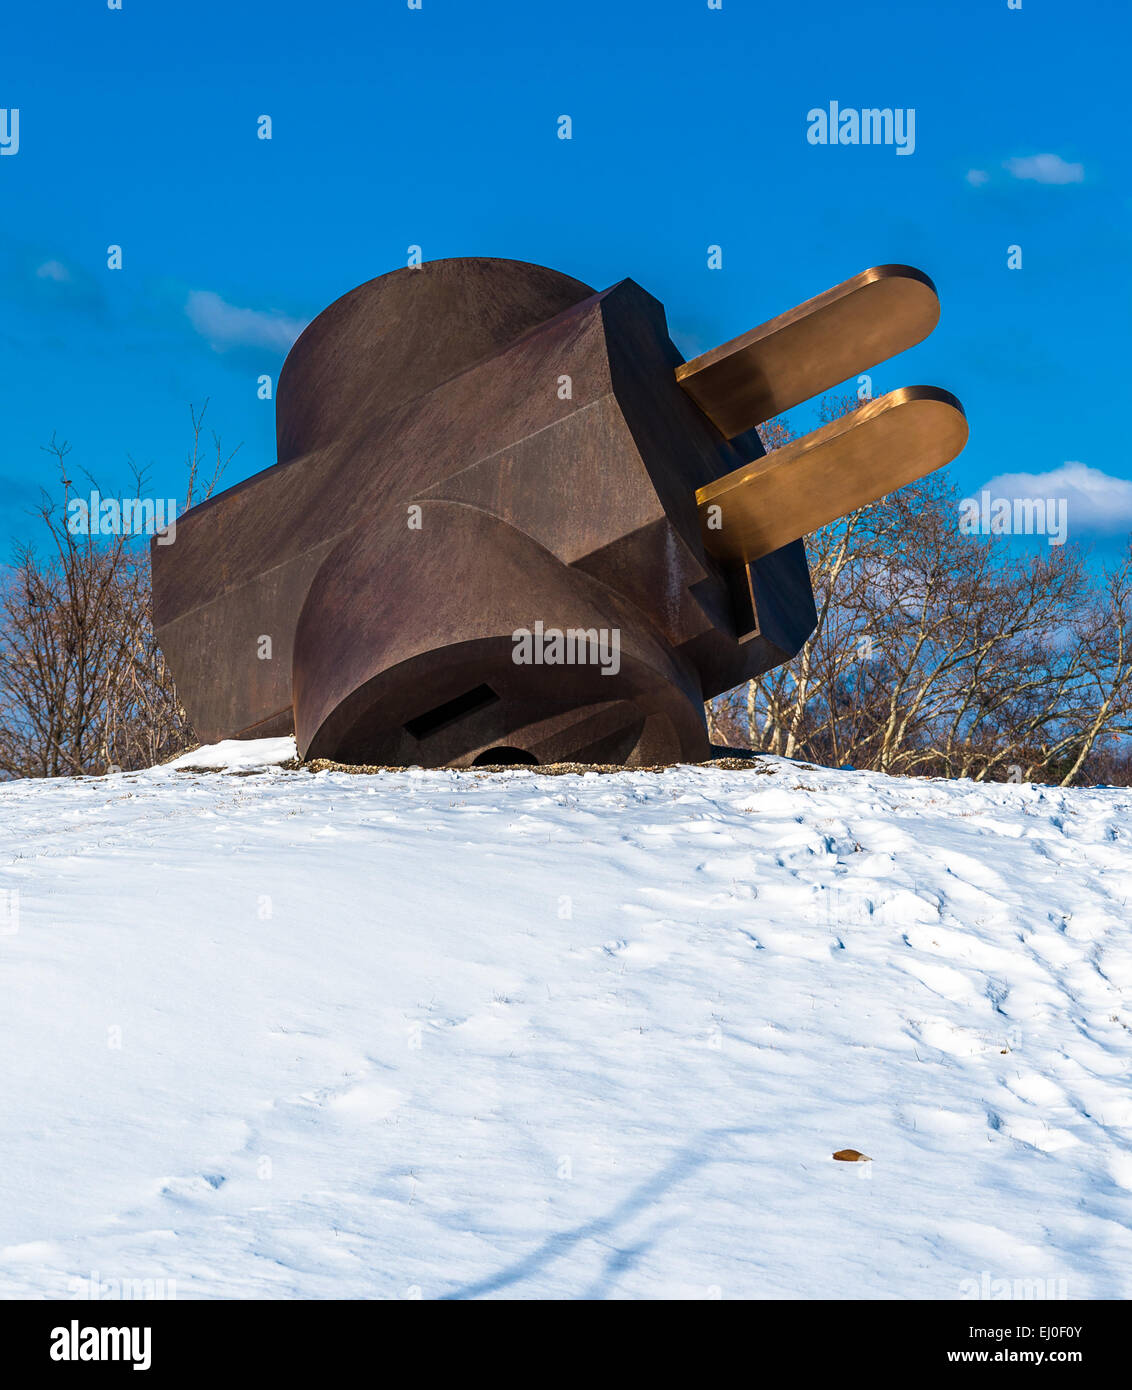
[[437, 127]]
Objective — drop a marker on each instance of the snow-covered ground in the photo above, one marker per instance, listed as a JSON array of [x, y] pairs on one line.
[[465, 1034]]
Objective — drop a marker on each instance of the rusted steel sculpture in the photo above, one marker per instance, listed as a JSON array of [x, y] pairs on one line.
[[509, 522]]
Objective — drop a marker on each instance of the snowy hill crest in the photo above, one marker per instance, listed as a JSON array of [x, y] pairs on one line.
[[453, 1033]]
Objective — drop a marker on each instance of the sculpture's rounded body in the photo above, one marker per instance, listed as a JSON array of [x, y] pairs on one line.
[[489, 526]]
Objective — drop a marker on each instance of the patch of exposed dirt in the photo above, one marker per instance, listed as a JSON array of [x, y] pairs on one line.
[[737, 764]]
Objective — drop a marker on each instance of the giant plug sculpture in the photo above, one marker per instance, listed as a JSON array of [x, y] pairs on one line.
[[509, 523]]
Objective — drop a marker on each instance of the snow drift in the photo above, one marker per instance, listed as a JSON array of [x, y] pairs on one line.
[[450, 1034]]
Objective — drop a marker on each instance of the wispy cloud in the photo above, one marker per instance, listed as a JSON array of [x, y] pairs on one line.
[[1045, 168], [227, 325], [1097, 501], [977, 177], [37, 280]]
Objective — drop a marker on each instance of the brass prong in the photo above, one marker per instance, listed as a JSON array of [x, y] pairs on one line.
[[811, 348], [811, 481]]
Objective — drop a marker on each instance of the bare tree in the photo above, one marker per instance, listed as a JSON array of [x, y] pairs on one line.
[[943, 654], [84, 686]]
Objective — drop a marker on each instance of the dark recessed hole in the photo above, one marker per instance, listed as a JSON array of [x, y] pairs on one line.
[[742, 601], [505, 757], [450, 711]]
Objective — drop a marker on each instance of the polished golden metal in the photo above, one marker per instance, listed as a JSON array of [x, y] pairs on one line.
[[812, 348], [811, 481]]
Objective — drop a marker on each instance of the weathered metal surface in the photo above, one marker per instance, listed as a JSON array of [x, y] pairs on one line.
[[468, 451]]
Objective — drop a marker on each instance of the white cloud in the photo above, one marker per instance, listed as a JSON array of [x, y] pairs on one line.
[[1046, 168], [226, 325], [1096, 501], [53, 270], [976, 177]]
